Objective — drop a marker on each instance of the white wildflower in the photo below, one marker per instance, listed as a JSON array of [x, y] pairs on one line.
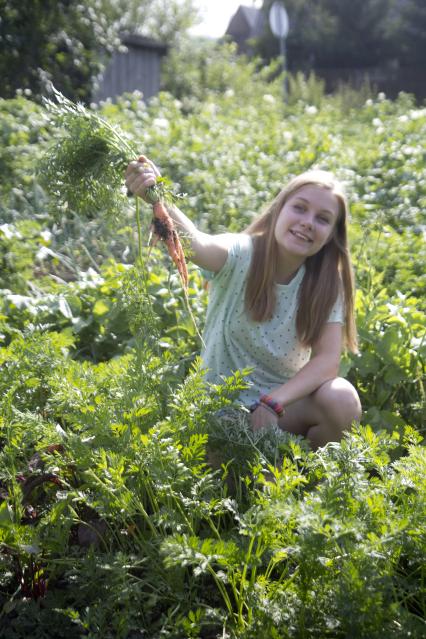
[[269, 98], [311, 109], [409, 150], [161, 123], [9, 231], [416, 114], [46, 235], [43, 253]]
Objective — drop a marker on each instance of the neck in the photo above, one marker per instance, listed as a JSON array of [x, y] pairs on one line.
[[285, 277], [286, 269]]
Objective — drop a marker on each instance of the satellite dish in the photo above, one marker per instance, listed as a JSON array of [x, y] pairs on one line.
[[278, 20]]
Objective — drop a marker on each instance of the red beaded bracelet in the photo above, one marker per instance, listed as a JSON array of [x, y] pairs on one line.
[[276, 406]]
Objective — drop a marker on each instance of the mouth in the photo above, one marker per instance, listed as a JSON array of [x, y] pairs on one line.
[[301, 236]]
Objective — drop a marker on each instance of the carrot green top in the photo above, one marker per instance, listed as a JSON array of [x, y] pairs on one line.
[[233, 341]]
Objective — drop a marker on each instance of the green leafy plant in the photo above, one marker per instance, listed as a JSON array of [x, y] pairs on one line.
[[85, 167], [134, 497]]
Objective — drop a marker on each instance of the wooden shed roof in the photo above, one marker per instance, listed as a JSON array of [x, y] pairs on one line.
[[143, 42]]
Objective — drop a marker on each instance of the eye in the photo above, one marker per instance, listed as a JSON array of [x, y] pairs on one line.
[[324, 220], [298, 207]]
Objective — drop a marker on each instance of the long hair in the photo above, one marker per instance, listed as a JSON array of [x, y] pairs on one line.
[[327, 273]]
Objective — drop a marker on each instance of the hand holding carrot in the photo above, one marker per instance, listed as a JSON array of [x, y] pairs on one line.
[[141, 174], [141, 177]]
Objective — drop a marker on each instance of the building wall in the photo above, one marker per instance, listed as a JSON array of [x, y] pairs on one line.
[[138, 69]]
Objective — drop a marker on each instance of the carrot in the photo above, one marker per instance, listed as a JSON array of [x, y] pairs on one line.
[[164, 230]]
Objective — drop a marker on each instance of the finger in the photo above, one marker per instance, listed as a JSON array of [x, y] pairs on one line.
[[145, 175], [139, 184], [136, 168], [147, 162], [138, 189], [136, 165], [131, 167], [262, 417], [256, 423], [132, 180]]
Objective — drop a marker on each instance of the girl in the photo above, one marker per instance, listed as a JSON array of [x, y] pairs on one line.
[[282, 303]]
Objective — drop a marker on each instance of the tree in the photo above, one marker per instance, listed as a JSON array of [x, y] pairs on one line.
[[57, 40], [411, 35], [329, 33], [68, 42], [166, 20], [362, 35], [310, 25]]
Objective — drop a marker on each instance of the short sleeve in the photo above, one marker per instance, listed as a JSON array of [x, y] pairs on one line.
[[337, 313], [207, 275], [238, 251]]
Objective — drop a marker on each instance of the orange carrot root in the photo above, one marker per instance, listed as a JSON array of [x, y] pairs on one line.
[[164, 229]]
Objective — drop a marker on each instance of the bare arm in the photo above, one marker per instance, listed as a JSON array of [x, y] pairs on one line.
[[207, 251], [322, 367]]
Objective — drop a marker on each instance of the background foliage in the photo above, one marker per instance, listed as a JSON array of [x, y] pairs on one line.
[[68, 42], [357, 34], [129, 506]]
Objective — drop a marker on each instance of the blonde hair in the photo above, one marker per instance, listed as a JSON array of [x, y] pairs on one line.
[[327, 273]]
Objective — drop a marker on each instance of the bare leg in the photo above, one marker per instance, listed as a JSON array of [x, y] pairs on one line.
[[323, 416]]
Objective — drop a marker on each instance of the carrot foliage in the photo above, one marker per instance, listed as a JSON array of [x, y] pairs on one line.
[[83, 168]]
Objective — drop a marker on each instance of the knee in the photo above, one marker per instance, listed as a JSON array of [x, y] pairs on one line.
[[339, 401]]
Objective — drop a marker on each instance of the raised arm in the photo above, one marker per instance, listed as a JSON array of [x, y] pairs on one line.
[[207, 251]]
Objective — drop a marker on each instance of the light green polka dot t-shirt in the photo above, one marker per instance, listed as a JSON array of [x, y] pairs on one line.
[[233, 341]]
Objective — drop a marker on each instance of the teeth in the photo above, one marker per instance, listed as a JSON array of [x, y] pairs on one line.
[[301, 237]]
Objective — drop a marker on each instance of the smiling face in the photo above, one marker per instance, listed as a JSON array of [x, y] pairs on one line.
[[306, 223]]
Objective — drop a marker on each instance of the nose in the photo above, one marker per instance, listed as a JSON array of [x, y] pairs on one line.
[[307, 221]]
